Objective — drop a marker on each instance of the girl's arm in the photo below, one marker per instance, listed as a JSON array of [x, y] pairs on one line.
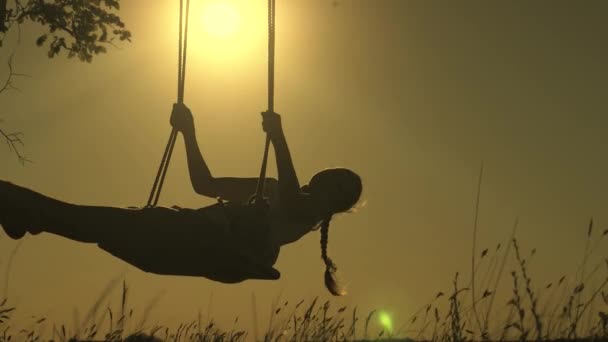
[[200, 175], [203, 182], [289, 187]]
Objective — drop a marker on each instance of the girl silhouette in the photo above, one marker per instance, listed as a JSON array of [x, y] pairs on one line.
[[230, 241]]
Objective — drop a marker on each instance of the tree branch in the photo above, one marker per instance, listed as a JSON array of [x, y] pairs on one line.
[[2, 15], [8, 83], [10, 15], [13, 140]]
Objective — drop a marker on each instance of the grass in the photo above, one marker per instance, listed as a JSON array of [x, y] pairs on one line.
[[571, 308]]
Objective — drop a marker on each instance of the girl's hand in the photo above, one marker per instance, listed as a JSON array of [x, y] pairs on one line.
[[181, 119], [271, 123]]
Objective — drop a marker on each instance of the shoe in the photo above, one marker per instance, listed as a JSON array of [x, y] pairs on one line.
[[14, 231], [8, 212]]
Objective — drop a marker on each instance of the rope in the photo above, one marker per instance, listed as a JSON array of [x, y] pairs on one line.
[[181, 81], [259, 195]]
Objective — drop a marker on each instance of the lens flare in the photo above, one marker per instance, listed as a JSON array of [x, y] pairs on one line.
[[385, 321]]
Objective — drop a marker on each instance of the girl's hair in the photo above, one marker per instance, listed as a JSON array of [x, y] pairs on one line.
[[346, 206], [330, 268]]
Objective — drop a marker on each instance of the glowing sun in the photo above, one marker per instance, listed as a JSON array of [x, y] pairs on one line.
[[220, 19]]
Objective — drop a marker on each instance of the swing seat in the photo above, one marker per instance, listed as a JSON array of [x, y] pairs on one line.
[[224, 242]]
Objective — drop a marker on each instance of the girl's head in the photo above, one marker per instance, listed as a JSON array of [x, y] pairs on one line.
[[336, 190]]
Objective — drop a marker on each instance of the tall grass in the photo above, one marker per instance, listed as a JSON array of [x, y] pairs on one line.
[[571, 308]]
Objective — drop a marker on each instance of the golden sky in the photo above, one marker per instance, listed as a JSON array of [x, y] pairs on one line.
[[413, 95]]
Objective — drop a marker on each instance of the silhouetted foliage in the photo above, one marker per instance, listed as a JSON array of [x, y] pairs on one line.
[[81, 27]]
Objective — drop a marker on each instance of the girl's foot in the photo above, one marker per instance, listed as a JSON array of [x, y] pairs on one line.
[[13, 230], [9, 213]]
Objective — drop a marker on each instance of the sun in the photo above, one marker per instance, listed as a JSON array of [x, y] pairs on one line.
[[220, 19]]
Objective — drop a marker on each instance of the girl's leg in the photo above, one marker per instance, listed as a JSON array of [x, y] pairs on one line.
[[37, 213]]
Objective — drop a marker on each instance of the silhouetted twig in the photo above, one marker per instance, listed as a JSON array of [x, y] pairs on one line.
[[13, 139], [473, 268], [9, 265]]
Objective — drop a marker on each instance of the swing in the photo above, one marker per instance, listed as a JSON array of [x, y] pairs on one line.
[[226, 242], [181, 80], [240, 215]]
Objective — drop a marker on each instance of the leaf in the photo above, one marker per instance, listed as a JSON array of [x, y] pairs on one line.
[[41, 40], [4, 311]]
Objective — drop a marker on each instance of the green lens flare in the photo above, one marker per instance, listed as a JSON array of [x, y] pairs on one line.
[[385, 321]]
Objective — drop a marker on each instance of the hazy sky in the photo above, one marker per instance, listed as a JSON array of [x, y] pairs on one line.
[[413, 95]]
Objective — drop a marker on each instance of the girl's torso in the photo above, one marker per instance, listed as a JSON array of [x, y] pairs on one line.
[[285, 229]]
